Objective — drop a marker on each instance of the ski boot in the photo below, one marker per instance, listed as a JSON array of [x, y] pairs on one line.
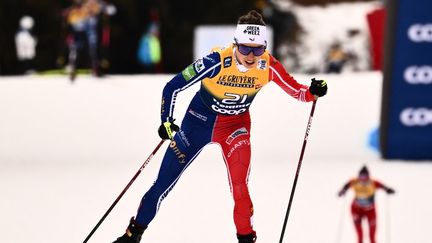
[[133, 233], [250, 238]]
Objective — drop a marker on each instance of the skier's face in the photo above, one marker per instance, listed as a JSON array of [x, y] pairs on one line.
[[363, 177], [248, 54]]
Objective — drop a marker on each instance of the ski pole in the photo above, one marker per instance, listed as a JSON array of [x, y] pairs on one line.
[[388, 222], [125, 189], [339, 231], [298, 170]]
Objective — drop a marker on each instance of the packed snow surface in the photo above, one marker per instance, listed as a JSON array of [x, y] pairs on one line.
[[68, 150]]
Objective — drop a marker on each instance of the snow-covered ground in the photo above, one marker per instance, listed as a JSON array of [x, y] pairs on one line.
[[67, 151]]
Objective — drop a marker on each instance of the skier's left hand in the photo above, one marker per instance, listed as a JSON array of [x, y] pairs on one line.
[[318, 87]]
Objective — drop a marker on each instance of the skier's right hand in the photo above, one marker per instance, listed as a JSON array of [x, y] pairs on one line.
[[166, 130], [341, 193]]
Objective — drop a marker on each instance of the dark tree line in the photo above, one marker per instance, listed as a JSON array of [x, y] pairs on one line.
[[177, 22]]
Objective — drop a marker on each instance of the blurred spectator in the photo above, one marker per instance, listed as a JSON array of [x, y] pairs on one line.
[[149, 51], [354, 46], [110, 10], [26, 43], [81, 20], [335, 58]]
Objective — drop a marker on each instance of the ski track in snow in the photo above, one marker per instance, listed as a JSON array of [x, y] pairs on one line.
[[67, 151]]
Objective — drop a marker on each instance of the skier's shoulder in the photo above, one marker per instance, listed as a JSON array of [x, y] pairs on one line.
[[222, 48], [353, 180], [273, 61], [209, 61], [206, 66]]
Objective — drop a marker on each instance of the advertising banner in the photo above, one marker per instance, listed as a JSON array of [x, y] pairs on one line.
[[406, 121]]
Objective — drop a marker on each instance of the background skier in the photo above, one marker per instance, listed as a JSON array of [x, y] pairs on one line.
[[82, 20], [363, 205]]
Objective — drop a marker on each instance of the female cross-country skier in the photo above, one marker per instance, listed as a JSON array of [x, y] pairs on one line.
[[363, 205], [230, 78]]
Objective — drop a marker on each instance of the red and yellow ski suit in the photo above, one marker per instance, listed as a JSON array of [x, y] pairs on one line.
[[363, 205]]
